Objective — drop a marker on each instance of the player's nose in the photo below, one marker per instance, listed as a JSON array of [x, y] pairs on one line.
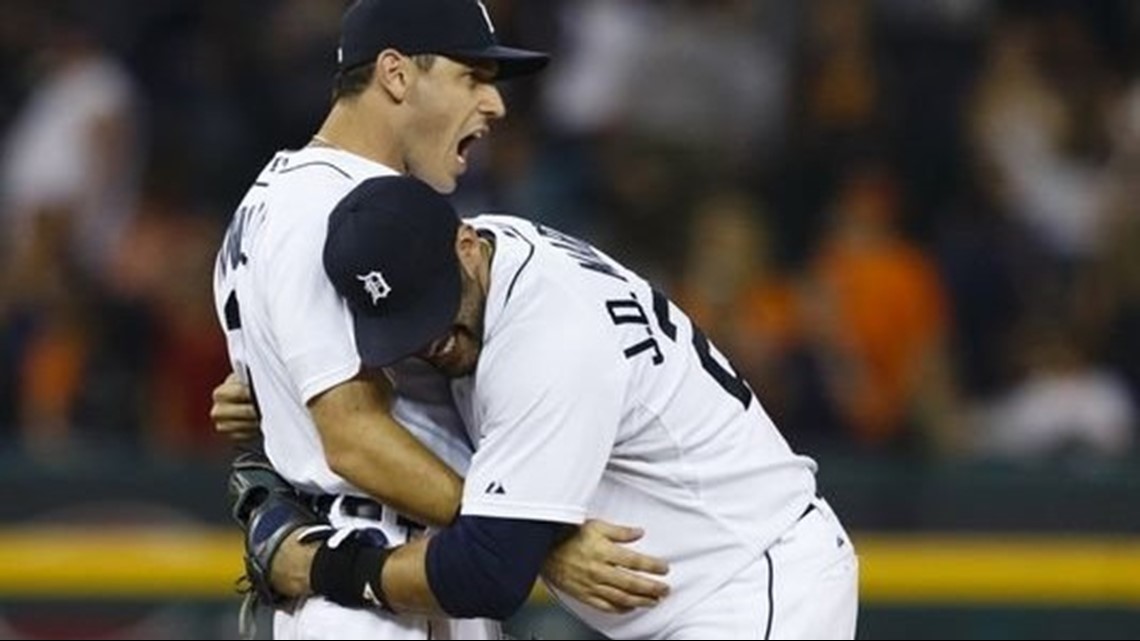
[[491, 103]]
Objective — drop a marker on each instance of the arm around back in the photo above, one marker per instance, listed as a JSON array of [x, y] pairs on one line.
[[478, 567], [370, 449]]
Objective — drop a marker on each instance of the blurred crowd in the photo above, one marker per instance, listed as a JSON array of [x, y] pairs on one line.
[[907, 222]]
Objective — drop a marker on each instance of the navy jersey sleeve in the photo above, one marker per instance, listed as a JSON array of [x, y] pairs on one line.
[[485, 567]]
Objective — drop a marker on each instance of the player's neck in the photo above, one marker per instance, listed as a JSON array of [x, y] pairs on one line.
[[327, 139], [347, 129], [320, 141]]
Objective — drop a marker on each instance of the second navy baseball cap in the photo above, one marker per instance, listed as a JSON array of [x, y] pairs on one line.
[[390, 252], [454, 28]]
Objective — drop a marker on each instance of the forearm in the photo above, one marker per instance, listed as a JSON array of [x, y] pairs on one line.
[[477, 567], [385, 461], [405, 581], [367, 447], [289, 571]]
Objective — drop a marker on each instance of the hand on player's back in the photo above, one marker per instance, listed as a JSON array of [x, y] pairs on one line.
[[595, 567], [233, 413]]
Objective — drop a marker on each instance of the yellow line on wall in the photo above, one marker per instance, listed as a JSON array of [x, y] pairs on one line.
[[990, 569], [155, 563], [102, 563]]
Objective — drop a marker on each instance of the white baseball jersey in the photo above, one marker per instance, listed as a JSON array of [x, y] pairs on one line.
[[596, 397], [288, 331]]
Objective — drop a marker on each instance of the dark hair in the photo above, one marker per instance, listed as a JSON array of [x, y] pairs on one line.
[[353, 81]]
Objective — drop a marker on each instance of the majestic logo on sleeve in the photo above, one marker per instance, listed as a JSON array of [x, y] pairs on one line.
[[375, 285]]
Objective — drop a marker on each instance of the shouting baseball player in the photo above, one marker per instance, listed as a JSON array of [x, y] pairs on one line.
[[415, 89]]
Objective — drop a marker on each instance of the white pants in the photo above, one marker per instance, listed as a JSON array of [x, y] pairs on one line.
[[318, 618], [805, 587]]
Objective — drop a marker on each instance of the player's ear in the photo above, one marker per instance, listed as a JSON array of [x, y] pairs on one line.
[[466, 239], [467, 245], [393, 73]]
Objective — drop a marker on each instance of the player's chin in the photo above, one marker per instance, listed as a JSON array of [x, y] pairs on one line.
[[443, 181], [456, 167]]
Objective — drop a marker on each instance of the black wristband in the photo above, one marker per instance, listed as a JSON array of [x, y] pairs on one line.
[[349, 574]]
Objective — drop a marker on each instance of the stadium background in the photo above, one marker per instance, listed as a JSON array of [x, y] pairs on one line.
[[912, 223]]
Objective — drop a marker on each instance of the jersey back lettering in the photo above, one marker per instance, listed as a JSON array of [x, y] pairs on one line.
[[288, 332], [595, 396]]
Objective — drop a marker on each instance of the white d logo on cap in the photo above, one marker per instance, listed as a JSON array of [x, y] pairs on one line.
[[486, 16], [375, 286]]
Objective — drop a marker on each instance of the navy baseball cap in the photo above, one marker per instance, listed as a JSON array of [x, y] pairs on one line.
[[390, 252], [453, 28]]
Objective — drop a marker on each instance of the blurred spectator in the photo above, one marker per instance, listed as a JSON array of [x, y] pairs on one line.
[[1107, 300], [841, 85], [880, 315], [189, 352], [728, 272], [709, 83], [992, 268], [927, 56], [1064, 406], [67, 181], [585, 89], [1120, 330], [838, 116], [1042, 131], [160, 367], [1010, 128], [733, 289], [667, 96], [73, 151], [50, 315]]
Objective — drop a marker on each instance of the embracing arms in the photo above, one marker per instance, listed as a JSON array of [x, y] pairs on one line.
[[592, 565], [362, 443], [366, 446]]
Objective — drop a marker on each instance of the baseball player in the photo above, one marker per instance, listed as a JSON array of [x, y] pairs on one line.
[[587, 394], [414, 90]]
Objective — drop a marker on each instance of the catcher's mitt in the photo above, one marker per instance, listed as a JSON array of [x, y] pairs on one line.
[[268, 510]]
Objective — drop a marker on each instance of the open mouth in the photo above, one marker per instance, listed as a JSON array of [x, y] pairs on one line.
[[466, 142]]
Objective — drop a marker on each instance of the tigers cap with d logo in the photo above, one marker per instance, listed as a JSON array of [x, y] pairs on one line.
[[390, 252]]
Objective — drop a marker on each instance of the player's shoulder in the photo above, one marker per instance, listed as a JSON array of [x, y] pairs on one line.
[[317, 173], [305, 176], [303, 187], [530, 285]]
